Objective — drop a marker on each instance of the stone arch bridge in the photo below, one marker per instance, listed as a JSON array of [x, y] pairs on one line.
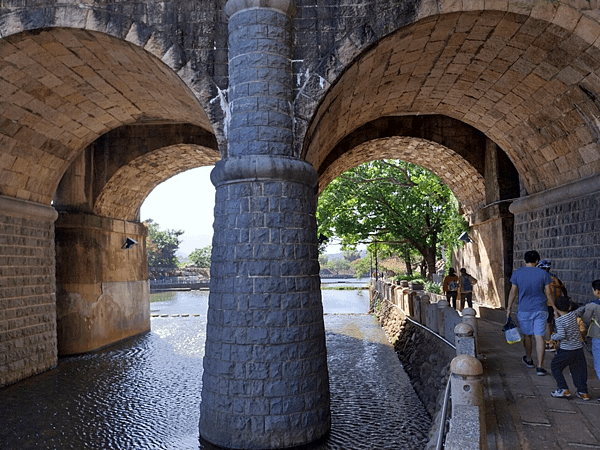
[[102, 101]]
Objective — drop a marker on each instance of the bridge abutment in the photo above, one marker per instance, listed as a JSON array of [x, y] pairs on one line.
[[265, 380], [102, 293], [27, 289]]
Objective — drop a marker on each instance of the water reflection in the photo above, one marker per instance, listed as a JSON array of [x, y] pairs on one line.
[[144, 393]]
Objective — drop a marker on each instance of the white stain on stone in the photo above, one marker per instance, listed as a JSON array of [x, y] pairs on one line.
[[222, 97]]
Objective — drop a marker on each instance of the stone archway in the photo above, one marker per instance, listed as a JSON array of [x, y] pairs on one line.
[[525, 82], [64, 91]]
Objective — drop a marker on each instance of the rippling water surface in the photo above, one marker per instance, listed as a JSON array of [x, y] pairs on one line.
[[144, 393]]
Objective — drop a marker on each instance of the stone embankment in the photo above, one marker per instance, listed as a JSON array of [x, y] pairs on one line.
[[425, 357], [428, 337]]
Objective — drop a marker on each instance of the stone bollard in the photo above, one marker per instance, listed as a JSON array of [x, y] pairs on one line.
[[464, 340], [467, 426], [469, 316], [441, 317]]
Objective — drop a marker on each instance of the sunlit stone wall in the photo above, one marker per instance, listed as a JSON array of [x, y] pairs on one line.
[[562, 225], [27, 290]]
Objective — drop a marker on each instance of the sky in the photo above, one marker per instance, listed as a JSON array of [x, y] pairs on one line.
[[186, 202]]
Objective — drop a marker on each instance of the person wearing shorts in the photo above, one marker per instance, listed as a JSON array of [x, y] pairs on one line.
[[531, 286]]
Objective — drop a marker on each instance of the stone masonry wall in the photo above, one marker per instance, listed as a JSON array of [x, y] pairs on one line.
[[27, 297], [566, 233]]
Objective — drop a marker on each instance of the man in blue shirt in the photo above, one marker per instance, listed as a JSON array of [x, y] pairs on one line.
[[531, 285]]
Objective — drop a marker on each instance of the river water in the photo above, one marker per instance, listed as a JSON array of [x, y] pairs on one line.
[[144, 392]]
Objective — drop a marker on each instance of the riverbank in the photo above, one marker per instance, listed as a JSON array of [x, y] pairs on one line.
[[424, 356]]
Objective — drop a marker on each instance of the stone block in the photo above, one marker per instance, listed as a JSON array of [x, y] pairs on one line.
[[466, 432], [451, 319], [431, 316]]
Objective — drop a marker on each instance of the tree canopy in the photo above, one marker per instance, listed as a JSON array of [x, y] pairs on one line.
[[201, 257], [395, 204], [162, 246]]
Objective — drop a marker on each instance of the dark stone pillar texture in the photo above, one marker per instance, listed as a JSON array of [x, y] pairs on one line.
[[265, 381], [260, 83], [566, 233]]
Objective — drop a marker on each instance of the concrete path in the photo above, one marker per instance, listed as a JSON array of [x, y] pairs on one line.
[[520, 412]]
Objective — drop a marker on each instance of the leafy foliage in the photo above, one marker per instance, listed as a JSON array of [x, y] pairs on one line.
[[337, 265], [361, 266], [201, 257], [433, 287], [351, 255], [395, 203], [162, 246]]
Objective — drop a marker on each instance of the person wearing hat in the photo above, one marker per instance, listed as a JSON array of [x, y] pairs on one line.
[[558, 289], [570, 350], [450, 287]]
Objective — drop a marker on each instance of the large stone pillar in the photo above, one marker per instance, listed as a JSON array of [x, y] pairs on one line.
[[103, 295], [265, 381]]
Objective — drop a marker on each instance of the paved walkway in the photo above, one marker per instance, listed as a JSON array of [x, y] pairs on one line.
[[520, 412]]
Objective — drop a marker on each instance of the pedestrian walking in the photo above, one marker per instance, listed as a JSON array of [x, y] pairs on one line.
[[569, 352], [466, 283], [558, 289], [450, 287], [531, 288]]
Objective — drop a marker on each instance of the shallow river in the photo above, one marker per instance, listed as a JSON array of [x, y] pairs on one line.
[[144, 393]]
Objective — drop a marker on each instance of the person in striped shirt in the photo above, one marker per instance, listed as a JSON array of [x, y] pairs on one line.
[[570, 350]]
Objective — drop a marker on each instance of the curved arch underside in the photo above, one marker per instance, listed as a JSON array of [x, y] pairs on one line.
[[467, 184], [61, 89], [127, 189], [531, 86]]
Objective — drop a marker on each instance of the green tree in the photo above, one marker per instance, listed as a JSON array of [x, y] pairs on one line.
[[338, 264], [323, 259], [162, 246], [351, 255], [391, 202], [201, 257], [361, 266]]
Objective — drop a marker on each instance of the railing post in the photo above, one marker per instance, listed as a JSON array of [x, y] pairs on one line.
[[463, 339], [469, 316], [467, 426]]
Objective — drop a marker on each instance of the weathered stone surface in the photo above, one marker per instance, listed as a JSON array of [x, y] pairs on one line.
[[102, 290], [27, 298], [523, 76]]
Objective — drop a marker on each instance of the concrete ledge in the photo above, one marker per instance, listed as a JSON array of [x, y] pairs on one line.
[[263, 168], [569, 191], [79, 220], [25, 209]]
